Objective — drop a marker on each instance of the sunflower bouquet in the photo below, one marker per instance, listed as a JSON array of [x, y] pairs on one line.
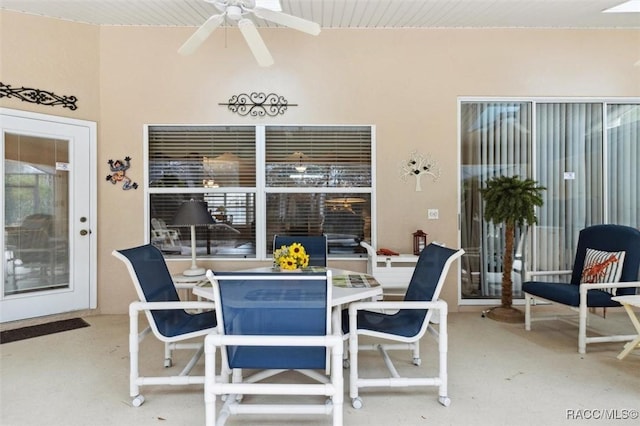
[[290, 258]]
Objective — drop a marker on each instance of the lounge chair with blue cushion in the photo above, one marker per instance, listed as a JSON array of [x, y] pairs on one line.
[[606, 264]]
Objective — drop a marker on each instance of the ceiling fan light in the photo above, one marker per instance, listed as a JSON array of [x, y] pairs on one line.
[[234, 12]]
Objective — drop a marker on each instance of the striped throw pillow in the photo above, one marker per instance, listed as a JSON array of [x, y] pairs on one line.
[[602, 267]]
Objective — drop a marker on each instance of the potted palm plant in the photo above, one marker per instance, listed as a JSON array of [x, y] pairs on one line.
[[510, 201]]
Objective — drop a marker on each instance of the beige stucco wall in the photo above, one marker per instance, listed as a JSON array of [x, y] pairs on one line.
[[406, 82]]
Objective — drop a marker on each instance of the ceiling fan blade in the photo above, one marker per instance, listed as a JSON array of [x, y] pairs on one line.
[[201, 34], [290, 21], [255, 42]]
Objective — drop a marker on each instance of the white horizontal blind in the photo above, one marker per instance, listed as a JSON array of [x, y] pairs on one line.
[[312, 156], [215, 164], [318, 180], [202, 156], [302, 164]]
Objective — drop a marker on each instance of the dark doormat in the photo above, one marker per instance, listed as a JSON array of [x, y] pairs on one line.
[[41, 329]]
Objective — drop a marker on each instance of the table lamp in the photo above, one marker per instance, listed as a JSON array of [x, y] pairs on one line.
[[192, 213]]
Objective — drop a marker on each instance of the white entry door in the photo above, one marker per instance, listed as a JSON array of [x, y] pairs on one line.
[[48, 194]]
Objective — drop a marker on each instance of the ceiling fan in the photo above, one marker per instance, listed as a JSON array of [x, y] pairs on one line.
[[237, 11]]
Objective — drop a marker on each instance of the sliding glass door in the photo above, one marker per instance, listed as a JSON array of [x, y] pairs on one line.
[[584, 153], [495, 140]]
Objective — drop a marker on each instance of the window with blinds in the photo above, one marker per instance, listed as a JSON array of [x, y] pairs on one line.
[[259, 181], [318, 156], [301, 164]]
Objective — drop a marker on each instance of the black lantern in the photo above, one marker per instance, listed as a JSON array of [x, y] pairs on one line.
[[419, 241]]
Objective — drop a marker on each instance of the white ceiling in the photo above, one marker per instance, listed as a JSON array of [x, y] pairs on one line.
[[349, 13]]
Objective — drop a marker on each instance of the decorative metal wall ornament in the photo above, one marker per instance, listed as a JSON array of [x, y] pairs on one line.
[[258, 104], [37, 96], [419, 165], [119, 168]]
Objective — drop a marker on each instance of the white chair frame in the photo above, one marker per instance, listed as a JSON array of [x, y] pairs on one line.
[[411, 343], [170, 343], [213, 387], [582, 310], [232, 392], [405, 343]]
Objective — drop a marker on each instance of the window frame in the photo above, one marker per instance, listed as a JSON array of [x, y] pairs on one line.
[[261, 189]]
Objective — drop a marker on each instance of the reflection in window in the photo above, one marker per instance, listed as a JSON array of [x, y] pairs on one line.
[[232, 234], [344, 218]]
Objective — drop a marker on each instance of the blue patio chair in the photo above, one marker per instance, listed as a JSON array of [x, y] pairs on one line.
[[606, 264], [315, 246], [166, 316], [406, 326], [273, 322]]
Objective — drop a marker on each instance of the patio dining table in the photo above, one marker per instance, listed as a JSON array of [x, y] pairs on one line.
[[348, 287]]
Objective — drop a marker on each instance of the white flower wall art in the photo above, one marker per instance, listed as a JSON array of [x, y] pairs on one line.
[[418, 165]]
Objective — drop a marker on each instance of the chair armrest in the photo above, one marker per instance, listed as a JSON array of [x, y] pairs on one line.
[[188, 286], [584, 288], [440, 305], [358, 306], [370, 251], [329, 340], [135, 307]]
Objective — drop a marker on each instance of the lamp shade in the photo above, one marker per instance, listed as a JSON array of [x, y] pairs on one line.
[[193, 213]]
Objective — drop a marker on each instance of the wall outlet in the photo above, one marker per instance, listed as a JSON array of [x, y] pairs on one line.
[[432, 213]]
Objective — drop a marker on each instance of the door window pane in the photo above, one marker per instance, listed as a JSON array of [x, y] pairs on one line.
[[36, 214]]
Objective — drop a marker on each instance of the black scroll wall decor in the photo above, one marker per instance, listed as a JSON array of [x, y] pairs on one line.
[[258, 104], [37, 96]]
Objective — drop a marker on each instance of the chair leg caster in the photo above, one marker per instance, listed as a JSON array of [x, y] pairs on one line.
[[356, 403], [444, 400], [417, 361], [137, 401], [167, 363]]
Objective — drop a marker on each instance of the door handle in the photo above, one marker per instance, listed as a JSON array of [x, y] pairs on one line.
[[84, 232]]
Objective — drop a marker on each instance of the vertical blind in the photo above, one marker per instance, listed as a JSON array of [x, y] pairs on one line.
[[569, 151], [496, 140], [588, 166], [623, 153]]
